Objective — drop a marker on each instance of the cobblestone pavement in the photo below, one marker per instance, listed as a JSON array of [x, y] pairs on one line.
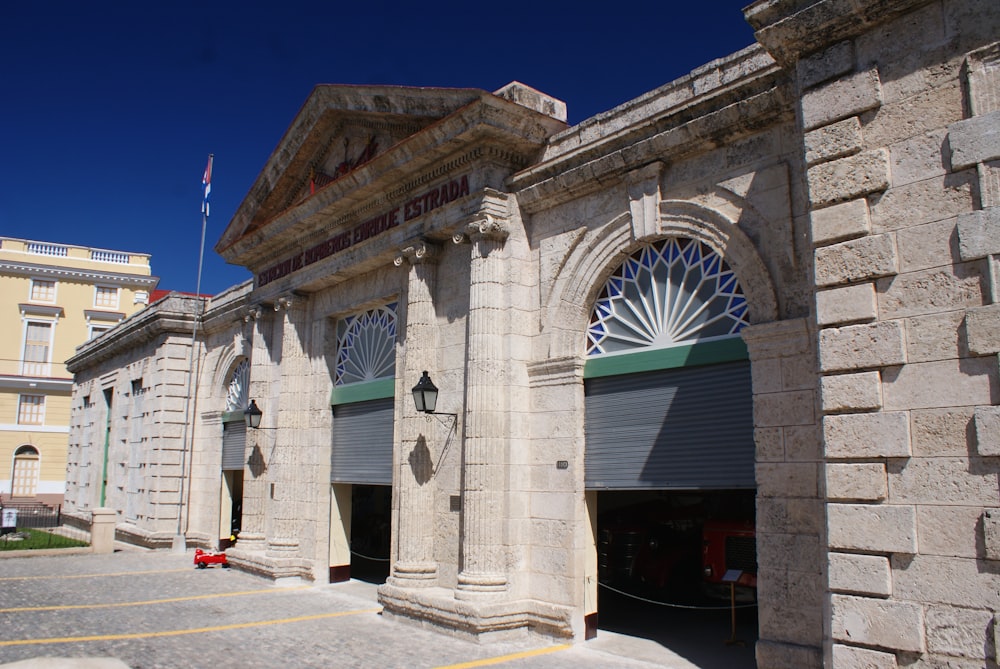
[[153, 610]]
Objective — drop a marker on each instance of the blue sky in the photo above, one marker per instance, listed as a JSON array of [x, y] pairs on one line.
[[110, 109]]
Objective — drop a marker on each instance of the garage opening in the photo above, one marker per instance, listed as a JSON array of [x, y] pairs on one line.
[[361, 499], [669, 462], [679, 568], [670, 475]]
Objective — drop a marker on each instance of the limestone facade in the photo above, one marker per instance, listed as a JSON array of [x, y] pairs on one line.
[[846, 171]]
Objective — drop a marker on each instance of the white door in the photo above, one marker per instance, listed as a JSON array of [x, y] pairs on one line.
[[25, 475]]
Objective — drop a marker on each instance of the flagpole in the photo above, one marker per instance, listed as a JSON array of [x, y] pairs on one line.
[[180, 539]]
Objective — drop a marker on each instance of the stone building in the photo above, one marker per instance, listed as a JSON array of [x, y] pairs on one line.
[[767, 290], [131, 426]]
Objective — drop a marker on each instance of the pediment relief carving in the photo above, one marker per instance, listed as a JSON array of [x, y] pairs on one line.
[[349, 146]]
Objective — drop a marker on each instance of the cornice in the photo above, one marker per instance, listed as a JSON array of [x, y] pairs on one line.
[[174, 314], [222, 314], [78, 274], [35, 383], [97, 315], [752, 98], [47, 310], [792, 29], [43, 429]]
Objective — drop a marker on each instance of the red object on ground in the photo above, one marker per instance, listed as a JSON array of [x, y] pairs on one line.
[[202, 558]]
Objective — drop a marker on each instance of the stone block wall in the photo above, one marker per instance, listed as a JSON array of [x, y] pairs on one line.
[[145, 370], [901, 150]]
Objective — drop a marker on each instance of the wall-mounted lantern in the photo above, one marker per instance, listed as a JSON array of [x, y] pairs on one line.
[[252, 415], [425, 394], [425, 397]]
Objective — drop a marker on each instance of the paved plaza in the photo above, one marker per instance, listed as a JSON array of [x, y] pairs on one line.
[[154, 610]]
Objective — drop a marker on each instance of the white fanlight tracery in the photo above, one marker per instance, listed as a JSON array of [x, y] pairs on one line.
[[237, 396], [366, 346], [673, 292]]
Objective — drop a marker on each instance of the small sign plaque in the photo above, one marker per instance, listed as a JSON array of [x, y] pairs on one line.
[[732, 576]]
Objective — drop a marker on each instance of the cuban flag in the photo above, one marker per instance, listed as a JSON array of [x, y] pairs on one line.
[[206, 182]]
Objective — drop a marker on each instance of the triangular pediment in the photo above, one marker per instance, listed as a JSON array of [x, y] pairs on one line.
[[353, 148], [338, 129]]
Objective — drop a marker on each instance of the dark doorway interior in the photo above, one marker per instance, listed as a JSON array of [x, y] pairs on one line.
[[236, 521], [667, 561], [371, 516], [233, 480]]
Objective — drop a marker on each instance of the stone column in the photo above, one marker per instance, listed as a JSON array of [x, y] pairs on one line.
[[254, 481], [485, 447], [415, 565], [290, 406]]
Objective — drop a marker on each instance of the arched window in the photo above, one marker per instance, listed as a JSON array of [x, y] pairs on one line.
[[237, 397], [366, 346], [673, 292]]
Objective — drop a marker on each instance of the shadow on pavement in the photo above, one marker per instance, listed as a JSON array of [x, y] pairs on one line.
[[697, 635]]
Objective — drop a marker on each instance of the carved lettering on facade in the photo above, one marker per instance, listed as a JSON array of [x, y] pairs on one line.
[[418, 206]]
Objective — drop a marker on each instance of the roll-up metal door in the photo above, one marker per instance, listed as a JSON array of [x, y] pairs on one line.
[[682, 428], [362, 442], [234, 444]]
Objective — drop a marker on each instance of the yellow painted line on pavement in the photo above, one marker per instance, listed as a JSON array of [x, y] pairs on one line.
[[112, 605], [119, 573], [198, 630], [500, 659]]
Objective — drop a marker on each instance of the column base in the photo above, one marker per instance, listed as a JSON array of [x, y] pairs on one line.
[[291, 569], [414, 574], [476, 586], [251, 541], [282, 547], [483, 620]]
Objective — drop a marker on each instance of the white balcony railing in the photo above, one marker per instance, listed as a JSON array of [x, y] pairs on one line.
[[109, 256], [41, 249]]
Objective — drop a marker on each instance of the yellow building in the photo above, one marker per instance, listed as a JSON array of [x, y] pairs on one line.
[[56, 297]]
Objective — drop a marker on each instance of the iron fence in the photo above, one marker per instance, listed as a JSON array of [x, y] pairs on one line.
[[36, 516], [35, 526]]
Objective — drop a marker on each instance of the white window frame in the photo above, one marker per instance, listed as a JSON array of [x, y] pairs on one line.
[[37, 283], [38, 414], [44, 366], [97, 329], [98, 291]]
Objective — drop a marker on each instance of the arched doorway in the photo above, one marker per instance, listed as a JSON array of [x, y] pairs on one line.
[[24, 479], [234, 438], [669, 456], [361, 466]]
